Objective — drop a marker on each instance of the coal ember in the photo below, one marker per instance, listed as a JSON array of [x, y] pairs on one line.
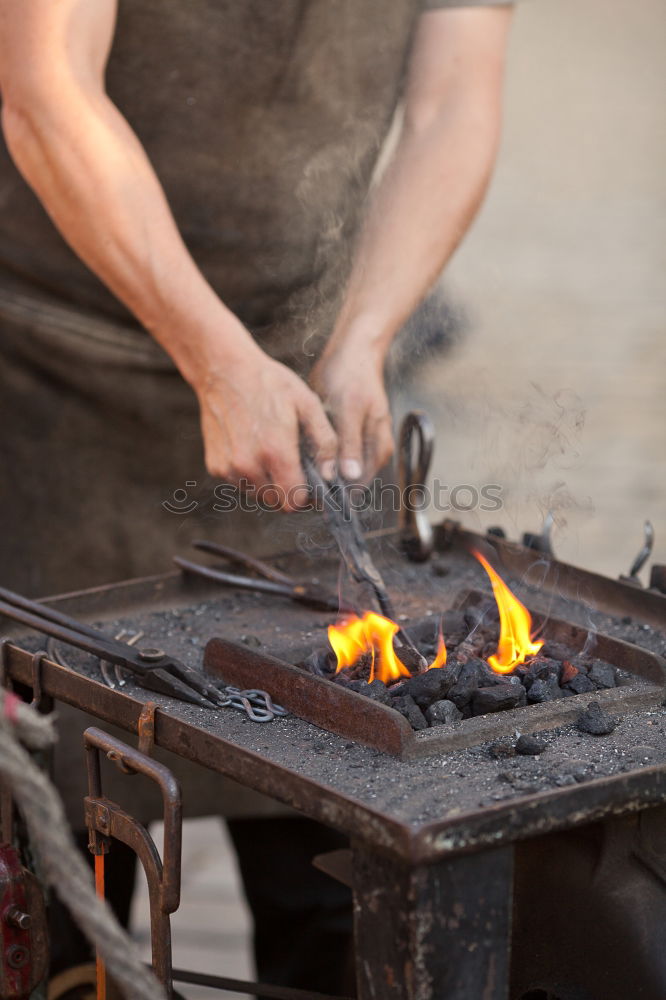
[[411, 711], [595, 721], [542, 668], [602, 674], [376, 690], [544, 689], [472, 675], [442, 713], [529, 746], [497, 698], [580, 684], [466, 685], [431, 686], [557, 651], [568, 672], [412, 659]]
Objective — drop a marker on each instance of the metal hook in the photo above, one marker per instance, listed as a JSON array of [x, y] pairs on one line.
[[417, 536], [42, 703], [644, 554], [542, 542]]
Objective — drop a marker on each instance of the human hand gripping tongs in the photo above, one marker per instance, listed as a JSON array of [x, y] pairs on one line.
[[150, 668]]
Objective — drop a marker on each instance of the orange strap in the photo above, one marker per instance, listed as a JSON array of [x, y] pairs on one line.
[[99, 889]]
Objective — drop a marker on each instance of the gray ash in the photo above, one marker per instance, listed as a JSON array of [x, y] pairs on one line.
[[467, 686]]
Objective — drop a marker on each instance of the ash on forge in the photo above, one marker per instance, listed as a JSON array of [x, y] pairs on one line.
[[478, 660]]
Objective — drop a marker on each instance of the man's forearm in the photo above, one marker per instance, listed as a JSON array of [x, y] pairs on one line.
[[435, 180], [420, 211], [94, 179]]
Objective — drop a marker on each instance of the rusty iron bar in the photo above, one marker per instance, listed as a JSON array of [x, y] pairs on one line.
[[262, 991], [614, 597], [521, 817]]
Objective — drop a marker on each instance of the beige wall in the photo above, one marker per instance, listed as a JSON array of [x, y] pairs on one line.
[[559, 391]]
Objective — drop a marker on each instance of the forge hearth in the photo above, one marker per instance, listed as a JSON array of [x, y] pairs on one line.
[[574, 668], [448, 677], [466, 686]]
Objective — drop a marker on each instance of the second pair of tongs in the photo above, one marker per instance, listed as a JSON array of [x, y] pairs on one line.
[[267, 579]]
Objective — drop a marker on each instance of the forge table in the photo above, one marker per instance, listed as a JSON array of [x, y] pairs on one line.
[[437, 843]]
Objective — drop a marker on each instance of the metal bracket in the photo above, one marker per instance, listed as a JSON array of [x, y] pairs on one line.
[[106, 821], [41, 702]]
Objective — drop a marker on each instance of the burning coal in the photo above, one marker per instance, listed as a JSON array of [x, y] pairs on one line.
[[493, 662], [372, 638]]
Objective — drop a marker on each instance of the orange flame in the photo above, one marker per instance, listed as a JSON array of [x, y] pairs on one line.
[[440, 659], [515, 642], [374, 634]]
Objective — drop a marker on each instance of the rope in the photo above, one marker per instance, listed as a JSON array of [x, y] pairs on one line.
[[64, 868]]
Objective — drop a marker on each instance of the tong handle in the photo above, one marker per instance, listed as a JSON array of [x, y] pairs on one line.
[[241, 559], [61, 626]]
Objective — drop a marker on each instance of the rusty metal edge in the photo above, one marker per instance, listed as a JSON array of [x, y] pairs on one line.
[[530, 719], [612, 596], [314, 699], [531, 816], [188, 741], [475, 830]]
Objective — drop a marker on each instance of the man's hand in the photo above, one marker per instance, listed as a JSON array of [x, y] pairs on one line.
[[252, 416], [92, 175], [350, 382]]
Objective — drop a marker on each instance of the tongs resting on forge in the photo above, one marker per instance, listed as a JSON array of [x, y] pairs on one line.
[[268, 579], [150, 668]]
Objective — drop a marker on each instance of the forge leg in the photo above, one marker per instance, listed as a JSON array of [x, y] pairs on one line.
[[433, 932]]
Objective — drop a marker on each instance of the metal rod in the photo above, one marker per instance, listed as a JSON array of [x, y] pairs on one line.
[[263, 991]]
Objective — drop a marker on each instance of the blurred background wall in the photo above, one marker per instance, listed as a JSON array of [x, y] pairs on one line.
[[558, 390]]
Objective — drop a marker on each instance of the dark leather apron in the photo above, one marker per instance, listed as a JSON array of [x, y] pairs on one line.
[[263, 120]]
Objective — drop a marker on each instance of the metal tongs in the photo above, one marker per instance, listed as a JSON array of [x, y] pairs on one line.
[[268, 579], [344, 526], [151, 668]]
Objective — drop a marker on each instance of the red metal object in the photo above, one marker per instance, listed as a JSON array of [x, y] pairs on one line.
[[23, 938]]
